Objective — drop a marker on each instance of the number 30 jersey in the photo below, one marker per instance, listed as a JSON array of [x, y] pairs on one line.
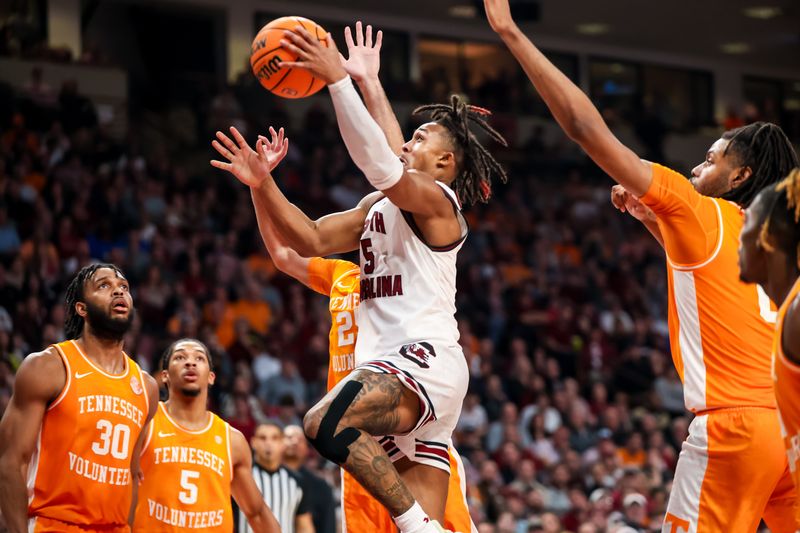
[[80, 470], [187, 477]]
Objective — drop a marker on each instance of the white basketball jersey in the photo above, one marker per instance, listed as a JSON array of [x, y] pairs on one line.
[[408, 288]]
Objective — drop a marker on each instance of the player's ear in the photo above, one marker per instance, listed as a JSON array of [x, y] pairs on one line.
[[741, 175], [164, 378], [446, 160], [80, 309], [211, 377]]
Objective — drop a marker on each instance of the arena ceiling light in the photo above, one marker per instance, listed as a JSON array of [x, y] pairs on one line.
[[463, 11], [735, 48], [593, 28], [762, 12]]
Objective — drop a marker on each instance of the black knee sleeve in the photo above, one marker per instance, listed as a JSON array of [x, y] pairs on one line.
[[335, 447]]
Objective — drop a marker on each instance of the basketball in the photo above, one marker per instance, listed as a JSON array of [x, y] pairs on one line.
[[266, 55]]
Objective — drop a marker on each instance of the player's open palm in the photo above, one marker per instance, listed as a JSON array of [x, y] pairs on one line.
[[243, 162], [498, 13], [363, 56]]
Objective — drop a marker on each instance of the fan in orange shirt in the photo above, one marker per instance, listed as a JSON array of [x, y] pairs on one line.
[[770, 256], [732, 470], [340, 281], [75, 422], [193, 461]]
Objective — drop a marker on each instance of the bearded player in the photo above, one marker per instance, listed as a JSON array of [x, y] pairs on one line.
[[732, 469], [769, 255], [411, 376], [192, 460], [75, 421]]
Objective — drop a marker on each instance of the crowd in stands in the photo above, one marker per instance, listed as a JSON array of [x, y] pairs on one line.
[[574, 416]]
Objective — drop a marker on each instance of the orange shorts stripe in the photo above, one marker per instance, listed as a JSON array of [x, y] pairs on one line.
[[732, 473]]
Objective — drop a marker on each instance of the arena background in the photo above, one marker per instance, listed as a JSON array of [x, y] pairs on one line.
[[107, 111]]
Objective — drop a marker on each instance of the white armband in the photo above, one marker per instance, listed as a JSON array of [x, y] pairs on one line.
[[363, 137]]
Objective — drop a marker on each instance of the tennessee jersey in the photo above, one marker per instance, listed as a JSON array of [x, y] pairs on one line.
[[79, 473], [338, 280], [187, 477], [720, 328], [787, 388]]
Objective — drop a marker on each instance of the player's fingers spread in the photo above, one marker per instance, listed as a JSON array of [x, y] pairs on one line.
[[348, 38], [220, 165], [293, 64], [294, 38], [224, 152], [225, 140], [238, 137], [359, 34], [368, 37], [329, 41], [289, 47], [378, 40]]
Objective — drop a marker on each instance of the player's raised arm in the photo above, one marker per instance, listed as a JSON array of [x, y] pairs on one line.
[[40, 380], [285, 258], [338, 232], [363, 64], [244, 489], [408, 189], [571, 108]]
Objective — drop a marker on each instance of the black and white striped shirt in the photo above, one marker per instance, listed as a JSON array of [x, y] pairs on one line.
[[283, 494]]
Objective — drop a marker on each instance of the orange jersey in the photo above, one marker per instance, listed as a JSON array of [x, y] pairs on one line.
[[340, 281], [187, 477], [787, 388], [720, 328], [80, 471]]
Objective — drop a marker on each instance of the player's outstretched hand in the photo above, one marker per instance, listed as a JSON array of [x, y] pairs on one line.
[[243, 162], [498, 13], [363, 56], [323, 61], [626, 202], [273, 150]]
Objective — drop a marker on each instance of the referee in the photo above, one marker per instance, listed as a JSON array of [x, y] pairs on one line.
[[280, 487]]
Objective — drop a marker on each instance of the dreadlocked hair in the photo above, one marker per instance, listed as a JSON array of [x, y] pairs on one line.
[[782, 217], [764, 148], [73, 322], [476, 166]]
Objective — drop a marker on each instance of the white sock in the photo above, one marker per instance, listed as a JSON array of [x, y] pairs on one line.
[[412, 521]]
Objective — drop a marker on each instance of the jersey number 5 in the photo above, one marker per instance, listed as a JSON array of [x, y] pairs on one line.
[[369, 257], [188, 495]]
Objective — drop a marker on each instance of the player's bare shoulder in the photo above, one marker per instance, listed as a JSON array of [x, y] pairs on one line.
[[42, 375], [240, 449]]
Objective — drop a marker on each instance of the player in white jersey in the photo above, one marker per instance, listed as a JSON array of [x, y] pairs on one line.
[[412, 376]]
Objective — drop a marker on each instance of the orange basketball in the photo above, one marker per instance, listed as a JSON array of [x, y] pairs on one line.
[[266, 55]]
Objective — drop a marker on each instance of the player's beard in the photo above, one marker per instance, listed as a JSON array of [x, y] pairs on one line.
[[191, 393], [106, 327]]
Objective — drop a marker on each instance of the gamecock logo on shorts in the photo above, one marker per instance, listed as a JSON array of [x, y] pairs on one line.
[[419, 352]]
